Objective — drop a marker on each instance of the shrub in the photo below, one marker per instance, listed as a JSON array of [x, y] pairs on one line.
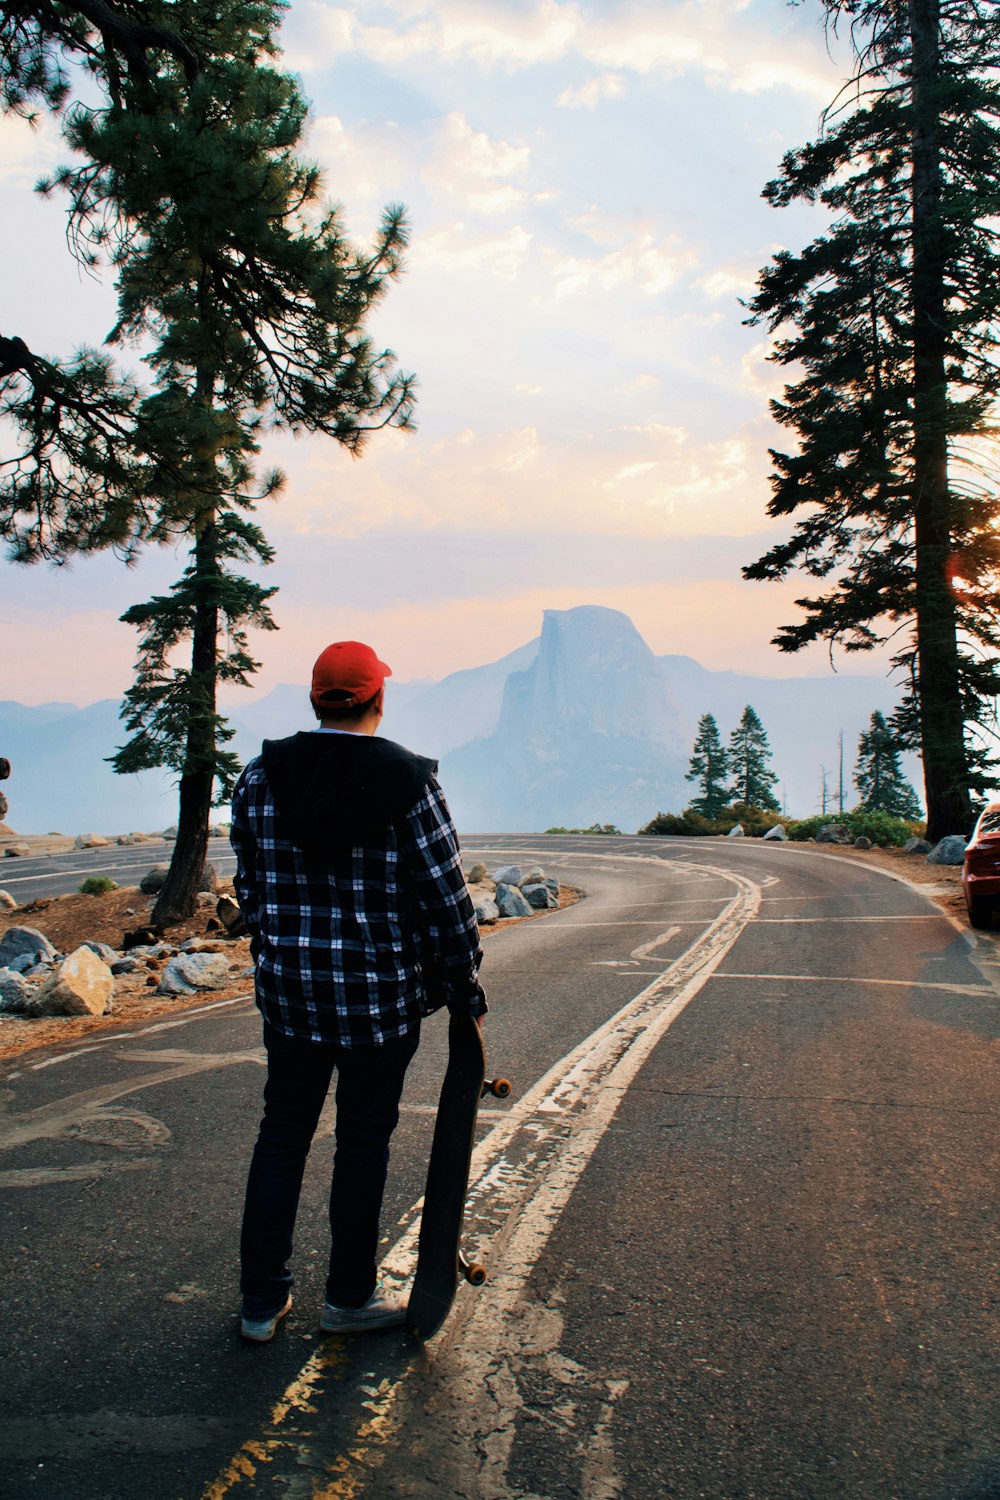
[[690, 824], [880, 827], [97, 885], [594, 828]]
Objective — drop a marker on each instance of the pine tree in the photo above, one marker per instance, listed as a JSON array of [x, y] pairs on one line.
[[749, 757], [69, 485], [891, 317], [709, 768], [878, 775], [251, 306]]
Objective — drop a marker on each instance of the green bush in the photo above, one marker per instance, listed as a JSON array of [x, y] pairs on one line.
[[98, 885], [690, 824], [879, 827]]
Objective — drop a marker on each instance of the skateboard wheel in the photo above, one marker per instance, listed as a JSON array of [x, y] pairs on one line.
[[500, 1088], [474, 1273]]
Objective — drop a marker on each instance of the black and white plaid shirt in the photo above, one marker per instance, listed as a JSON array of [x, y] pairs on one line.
[[356, 949]]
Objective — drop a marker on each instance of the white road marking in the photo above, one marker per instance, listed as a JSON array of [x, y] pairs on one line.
[[908, 984]]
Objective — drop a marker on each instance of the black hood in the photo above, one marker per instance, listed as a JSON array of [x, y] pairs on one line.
[[334, 791]]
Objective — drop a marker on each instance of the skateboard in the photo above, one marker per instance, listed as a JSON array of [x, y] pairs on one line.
[[440, 1260]]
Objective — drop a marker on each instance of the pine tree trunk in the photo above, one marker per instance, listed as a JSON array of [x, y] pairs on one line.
[[177, 896], [949, 809]]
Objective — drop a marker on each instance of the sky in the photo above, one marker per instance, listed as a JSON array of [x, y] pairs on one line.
[[582, 182]]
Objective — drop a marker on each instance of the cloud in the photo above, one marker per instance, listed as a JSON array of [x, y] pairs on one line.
[[476, 170], [590, 94], [644, 262], [723, 42], [26, 151], [455, 248]]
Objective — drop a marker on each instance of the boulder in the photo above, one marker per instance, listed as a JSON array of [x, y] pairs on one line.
[[916, 846], [7, 902], [538, 895], [209, 879], [486, 909], [102, 950], [477, 873], [777, 834], [736, 833], [510, 901], [833, 833], [27, 940], [90, 841], [534, 875], [15, 992], [81, 985], [153, 880], [950, 851], [189, 972], [228, 912], [862, 843], [507, 875], [17, 851]]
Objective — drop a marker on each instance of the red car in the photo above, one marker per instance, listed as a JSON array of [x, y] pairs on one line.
[[981, 870]]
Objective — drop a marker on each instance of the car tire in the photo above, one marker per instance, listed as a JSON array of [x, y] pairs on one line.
[[980, 913]]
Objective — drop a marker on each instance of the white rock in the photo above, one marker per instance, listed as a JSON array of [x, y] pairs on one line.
[[7, 901], [17, 851], [486, 910], [80, 985], [90, 841], [737, 832], [776, 834], [507, 875]]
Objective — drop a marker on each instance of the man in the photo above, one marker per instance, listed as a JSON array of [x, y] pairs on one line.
[[350, 881]]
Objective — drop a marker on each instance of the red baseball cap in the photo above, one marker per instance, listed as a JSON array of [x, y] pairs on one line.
[[346, 673]]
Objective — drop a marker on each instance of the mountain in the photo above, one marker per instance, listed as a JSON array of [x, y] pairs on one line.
[[584, 724]]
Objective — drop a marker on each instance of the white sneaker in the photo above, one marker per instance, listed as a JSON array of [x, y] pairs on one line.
[[261, 1330], [382, 1310]]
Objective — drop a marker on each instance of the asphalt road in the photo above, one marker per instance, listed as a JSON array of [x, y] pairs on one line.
[[739, 1218], [31, 876]]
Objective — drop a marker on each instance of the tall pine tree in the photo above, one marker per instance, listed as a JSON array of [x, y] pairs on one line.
[[749, 757], [251, 305], [891, 318], [878, 776], [709, 767]]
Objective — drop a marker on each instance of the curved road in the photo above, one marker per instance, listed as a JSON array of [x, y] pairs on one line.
[[739, 1219]]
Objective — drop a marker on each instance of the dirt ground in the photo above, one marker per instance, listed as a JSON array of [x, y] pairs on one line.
[[68, 921]]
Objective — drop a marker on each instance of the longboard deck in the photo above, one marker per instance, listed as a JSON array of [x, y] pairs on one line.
[[438, 1253]]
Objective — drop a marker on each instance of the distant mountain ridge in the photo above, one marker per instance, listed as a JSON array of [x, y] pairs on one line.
[[584, 724]]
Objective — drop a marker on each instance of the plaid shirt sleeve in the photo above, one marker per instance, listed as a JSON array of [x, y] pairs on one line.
[[450, 948], [245, 887]]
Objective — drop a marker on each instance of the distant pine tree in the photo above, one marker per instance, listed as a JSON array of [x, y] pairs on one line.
[[878, 776], [749, 756], [709, 768]]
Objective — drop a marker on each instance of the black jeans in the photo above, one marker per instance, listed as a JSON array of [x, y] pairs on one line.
[[369, 1085]]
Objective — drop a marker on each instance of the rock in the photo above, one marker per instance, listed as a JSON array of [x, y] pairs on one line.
[[169, 833], [950, 851], [477, 873], [189, 972], [109, 955], [23, 962], [538, 895], [534, 875], [81, 985], [7, 901], [17, 851], [862, 843], [90, 841], [833, 833], [486, 910], [18, 940], [209, 879], [4, 807], [739, 832], [916, 846], [15, 992], [510, 902], [228, 912], [153, 880], [127, 966], [507, 875], [777, 834], [141, 937]]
